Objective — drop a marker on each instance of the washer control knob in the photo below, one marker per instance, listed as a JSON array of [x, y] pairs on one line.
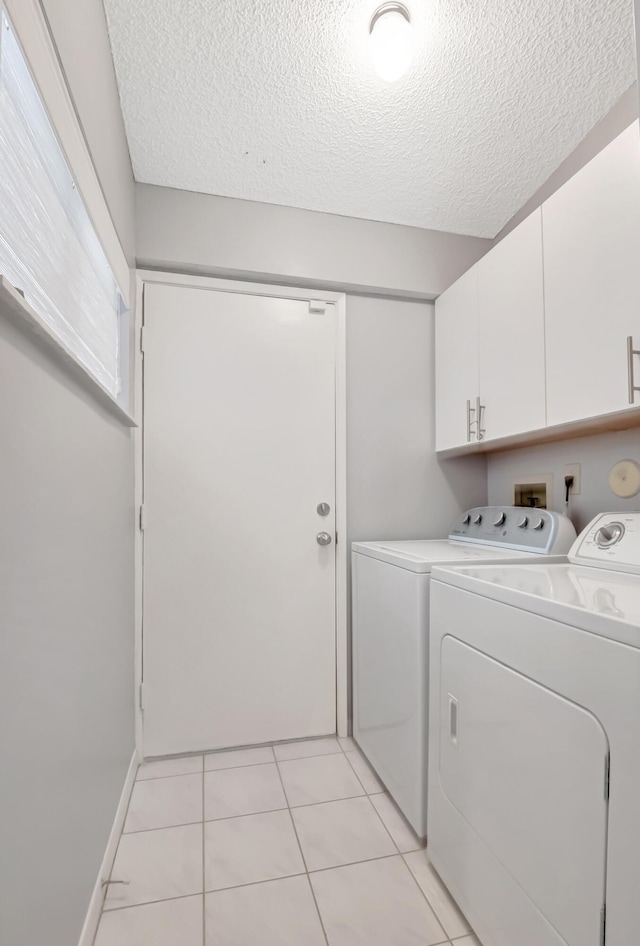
[[523, 523], [539, 524], [477, 519], [609, 535], [500, 521], [466, 520]]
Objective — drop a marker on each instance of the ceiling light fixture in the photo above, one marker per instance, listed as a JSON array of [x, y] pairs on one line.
[[391, 41]]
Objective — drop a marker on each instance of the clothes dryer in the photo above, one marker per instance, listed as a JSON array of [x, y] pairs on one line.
[[534, 779]]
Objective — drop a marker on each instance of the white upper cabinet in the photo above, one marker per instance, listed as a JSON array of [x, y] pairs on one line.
[[511, 333], [545, 329], [457, 362], [591, 235]]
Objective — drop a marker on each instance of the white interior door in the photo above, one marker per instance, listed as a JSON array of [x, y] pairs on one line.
[[239, 450]]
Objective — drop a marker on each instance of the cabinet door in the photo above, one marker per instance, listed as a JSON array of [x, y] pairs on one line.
[[511, 332], [456, 360], [591, 233]]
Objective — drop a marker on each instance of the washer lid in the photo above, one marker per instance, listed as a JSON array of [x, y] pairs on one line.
[[603, 602], [420, 555]]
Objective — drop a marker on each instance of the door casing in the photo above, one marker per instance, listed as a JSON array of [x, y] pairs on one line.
[[144, 277]]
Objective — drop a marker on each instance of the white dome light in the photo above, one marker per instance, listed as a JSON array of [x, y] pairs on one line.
[[391, 41]]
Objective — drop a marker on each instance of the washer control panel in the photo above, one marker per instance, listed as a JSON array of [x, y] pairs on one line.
[[516, 527], [611, 540]]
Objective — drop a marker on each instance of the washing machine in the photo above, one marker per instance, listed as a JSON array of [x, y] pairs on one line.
[[390, 599], [534, 784]]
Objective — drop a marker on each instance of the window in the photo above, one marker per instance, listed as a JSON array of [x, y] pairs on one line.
[[49, 249]]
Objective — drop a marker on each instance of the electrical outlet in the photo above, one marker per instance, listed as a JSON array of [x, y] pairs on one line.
[[573, 469]]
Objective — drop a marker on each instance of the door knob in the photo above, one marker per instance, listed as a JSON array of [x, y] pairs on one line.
[[323, 538]]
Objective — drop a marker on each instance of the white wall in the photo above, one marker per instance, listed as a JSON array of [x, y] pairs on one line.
[[397, 487], [220, 236], [66, 641], [66, 576], [596, 455]]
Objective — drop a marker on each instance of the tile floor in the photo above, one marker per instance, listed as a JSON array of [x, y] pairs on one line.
[[295, 845]]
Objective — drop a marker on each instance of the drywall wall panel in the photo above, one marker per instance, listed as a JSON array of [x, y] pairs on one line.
[[197, 233], [66, 641], [397, 486], [66, 574], [596, 455]]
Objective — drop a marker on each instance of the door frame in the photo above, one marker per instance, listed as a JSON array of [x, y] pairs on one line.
[[143, 277]]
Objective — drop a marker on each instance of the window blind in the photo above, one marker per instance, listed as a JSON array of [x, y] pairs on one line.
[[48, 246]]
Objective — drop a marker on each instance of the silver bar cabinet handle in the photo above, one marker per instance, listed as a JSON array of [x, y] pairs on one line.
[[470, 423], [480, 431], [631, 351]]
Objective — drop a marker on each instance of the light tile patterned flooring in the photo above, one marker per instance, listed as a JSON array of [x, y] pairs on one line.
[[295, 845]]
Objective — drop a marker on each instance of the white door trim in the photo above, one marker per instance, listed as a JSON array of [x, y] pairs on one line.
[[283, 292]]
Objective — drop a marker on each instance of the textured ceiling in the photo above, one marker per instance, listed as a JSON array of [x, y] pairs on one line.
[[275, 100]]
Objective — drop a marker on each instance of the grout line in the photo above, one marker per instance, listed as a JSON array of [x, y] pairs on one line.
[[313, 894], [295, 831], [422, 844], [161, 778], [262, 811], [346, 755], [229, 768], [319, 755], [329, 801], [232, 768], [291, 820], [255, 883], [247, 814], [364, 860], [162, 827], [429, 904], [147, 903], [383, 823], [284, 790]]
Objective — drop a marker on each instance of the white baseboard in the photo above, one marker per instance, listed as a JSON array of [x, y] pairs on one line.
[[92, 918]]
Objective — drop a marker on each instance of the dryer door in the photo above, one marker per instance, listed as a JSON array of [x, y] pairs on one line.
[[526, 770]]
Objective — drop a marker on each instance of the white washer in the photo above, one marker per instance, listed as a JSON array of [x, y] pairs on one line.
[[391, 633], [534, 780]]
